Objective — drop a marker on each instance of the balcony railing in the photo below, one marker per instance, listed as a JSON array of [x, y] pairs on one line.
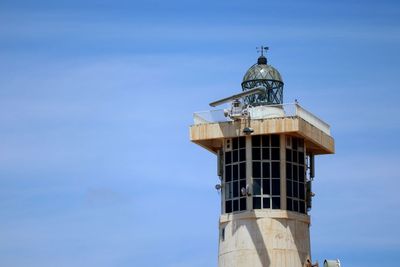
[[289, 110]]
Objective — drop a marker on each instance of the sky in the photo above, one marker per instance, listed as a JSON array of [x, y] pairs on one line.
[[96, 99]]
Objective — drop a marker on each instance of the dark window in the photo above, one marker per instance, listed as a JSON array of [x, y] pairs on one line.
[[242, 170], [274, 140], [242, 154], [301, 158], [275, 154], [242, 142], [235, 143], [228, 206], [275, 170], [256, 153], [295, 173], [235, 189], [228, 158], [301, 191], [276, 202], [235, 156], [295, 205], [288, 171], [276, 187], [266, 170], [265, 153], [295, 189], [289, 204], [235, 175], [228, 173], [256, 202], [294, 159], [294, 143], [265, 141], [235, 205], [301, 173], [256, 140], [266, 203], [266, 186], [256, 169], [289, 188], [288, 155], [243, 204], [256, 186]]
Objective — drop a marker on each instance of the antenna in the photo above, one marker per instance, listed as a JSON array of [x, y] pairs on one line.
[[257, 90]]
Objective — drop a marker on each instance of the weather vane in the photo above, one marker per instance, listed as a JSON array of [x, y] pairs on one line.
[[262, 49]]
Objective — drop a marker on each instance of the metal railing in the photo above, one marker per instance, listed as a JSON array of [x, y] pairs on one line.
[[289, 110]]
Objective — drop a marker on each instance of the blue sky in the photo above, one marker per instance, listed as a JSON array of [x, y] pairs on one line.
[[96, 98]]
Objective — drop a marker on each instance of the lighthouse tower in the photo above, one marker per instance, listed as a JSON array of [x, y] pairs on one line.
[[265, 151]]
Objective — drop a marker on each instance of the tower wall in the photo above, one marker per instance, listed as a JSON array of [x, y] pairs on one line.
[[264, 239]]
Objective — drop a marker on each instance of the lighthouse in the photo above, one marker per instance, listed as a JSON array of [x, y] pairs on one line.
[[265, 151]]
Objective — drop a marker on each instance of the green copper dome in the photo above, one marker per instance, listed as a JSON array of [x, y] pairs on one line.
[[264, 75]]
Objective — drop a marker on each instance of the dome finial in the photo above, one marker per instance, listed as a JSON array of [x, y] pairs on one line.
[[262, 59]]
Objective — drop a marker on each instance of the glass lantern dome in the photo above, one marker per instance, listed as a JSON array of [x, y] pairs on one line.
[[262, 74]]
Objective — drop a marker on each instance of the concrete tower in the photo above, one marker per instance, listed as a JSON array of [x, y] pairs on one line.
[[265, 152]]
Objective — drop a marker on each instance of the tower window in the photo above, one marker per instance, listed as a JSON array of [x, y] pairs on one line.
[[266, 171], [235, 176], [295, 175]]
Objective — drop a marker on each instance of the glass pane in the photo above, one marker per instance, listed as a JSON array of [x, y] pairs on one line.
[[276, 186], [276, 172], [295, 205], [228, 206], [235, 142], [266, 172], [235, 205], [275, 154], [266, 186], [256, 186], [265, 140], [228, 157], [289, 190], [242, 154], [295, 173], [302, 191], [289, 204], [235, 172], [243, 203], [288, 155], [235, 189], [255, 140], [228, 190], [294, 143], [301, 157], [289, 171], [265, 153], [235, 156], [256, 153], [242, 170], [274, 140], [301, 173], [256, 202], [295, 159], [266, 203], [242, 142], [276, 202], [228, 173], [256, 169], [295, 189]]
